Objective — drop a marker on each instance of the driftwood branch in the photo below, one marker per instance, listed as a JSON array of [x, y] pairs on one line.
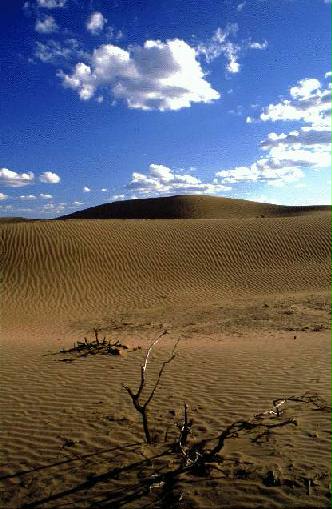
[[140, 406]]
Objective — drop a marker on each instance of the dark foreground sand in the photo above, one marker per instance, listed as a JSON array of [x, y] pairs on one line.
[[249, 299]]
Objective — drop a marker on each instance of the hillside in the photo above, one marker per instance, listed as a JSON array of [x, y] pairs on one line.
[[189, 207]]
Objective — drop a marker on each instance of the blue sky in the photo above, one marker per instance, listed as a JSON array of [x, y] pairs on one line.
[[103, 100]]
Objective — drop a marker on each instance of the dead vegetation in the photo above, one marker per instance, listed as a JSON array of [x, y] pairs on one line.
[[93, 347], [136, 397], [181, 455], [195, 456]]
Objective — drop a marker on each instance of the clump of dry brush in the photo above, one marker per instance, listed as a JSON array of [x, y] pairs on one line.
[[95, 346]]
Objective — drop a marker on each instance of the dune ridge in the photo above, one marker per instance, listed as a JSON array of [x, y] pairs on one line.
[[190, 207]]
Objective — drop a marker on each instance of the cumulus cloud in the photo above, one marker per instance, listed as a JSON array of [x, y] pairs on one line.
[[48, 177], [220, 44], [45, 196], [272, 171], [3, 196], [103, 189], [328, 74], [95, 23], [162, 180], [309, 102], [156, 76], [309, 145], [86, 189], [46, 25], [287, 155], [51, 4], [304, 136], [13, 179]]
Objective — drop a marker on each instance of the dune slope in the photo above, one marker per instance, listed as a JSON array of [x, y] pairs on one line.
[[70, 269], [189, 207]]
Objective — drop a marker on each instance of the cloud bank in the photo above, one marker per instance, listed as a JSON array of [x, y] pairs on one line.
[[161, 180], [288, 154]]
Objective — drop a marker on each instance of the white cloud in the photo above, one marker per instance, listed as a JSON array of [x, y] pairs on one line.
[[271, 171], [258, 45], [118, 197], [78, 203], [28, 197], [309, 102], [156, 76], [328, 75], [46, 25], [51, 4], [86, 189], [305, 89], [162, 180], [287, 155], [54, 52], [309, 145], [48, 177], [259, 199], [304, 136], [241, 6], [53, 208], [220, 44], [45, 196], [104, 190], [95, 23], [12, 179], [3, 196]]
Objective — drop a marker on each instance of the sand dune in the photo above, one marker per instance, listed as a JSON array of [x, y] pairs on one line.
[[190, 207], [77, 267], [247, 296]]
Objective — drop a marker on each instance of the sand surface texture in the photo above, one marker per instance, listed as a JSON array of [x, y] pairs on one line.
[[248, 298]]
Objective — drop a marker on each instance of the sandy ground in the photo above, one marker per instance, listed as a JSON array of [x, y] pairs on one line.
[[249, 300]]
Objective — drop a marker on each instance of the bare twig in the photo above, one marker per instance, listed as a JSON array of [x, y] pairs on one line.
[[135, 396], [307, 397]]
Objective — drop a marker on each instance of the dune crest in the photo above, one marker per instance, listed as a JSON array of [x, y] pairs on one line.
[[190, 207]]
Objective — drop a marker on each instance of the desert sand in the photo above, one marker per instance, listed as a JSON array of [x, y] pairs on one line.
[[243, 286]]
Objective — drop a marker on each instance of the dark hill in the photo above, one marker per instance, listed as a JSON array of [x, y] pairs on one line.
[[189, 207]]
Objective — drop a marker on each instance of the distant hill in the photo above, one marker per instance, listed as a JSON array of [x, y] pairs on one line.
[[189, 207], [13, 219]]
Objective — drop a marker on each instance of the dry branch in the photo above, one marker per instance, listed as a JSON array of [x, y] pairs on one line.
[[142, 407]]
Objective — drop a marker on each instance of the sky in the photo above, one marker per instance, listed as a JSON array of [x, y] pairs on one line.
[[105, 100]]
